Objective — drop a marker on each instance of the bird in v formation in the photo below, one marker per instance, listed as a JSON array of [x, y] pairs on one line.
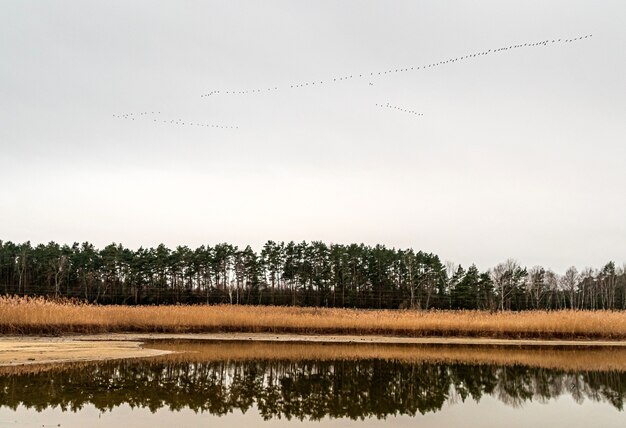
[[180, 122], [345, 78], [348, 77]]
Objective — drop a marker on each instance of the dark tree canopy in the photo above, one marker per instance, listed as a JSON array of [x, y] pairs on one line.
[[297, 274]]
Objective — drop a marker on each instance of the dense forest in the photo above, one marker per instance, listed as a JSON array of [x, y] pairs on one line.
[[298, 274]]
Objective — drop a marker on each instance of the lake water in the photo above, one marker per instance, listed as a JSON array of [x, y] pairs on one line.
[[246, 384]]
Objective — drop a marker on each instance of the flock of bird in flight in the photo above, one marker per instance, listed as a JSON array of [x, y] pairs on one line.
[[399, 109], [133, 116], [342, 79]]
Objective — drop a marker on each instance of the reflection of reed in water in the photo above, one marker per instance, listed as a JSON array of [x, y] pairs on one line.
[[303, 387], [565, 358]]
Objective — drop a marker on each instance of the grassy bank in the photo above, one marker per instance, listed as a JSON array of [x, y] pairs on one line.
[[38, 316]]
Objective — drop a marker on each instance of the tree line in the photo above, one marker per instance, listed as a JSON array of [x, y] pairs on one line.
[[298, 274]]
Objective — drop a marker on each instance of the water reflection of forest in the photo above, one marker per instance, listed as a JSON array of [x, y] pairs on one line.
[[300, 388]]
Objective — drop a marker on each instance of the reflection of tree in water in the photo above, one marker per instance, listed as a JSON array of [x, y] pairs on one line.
[[301, 389]]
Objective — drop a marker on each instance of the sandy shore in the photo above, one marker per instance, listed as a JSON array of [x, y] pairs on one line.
[[45, 350], [269, 337], [16, 350], [313, 338]]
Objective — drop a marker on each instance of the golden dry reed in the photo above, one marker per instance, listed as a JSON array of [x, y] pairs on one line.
[[41, 316]]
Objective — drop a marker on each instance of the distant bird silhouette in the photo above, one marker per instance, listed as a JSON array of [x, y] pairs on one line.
[[387, 72]]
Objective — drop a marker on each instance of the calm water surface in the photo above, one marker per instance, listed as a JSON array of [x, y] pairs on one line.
[[201, 388]]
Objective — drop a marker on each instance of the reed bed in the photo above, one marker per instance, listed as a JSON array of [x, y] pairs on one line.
[[40, 316]]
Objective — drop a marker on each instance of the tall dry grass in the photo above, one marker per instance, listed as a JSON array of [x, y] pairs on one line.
[[40, 316]]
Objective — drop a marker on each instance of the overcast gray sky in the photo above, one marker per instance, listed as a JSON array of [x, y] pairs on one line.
[[519, 153]]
